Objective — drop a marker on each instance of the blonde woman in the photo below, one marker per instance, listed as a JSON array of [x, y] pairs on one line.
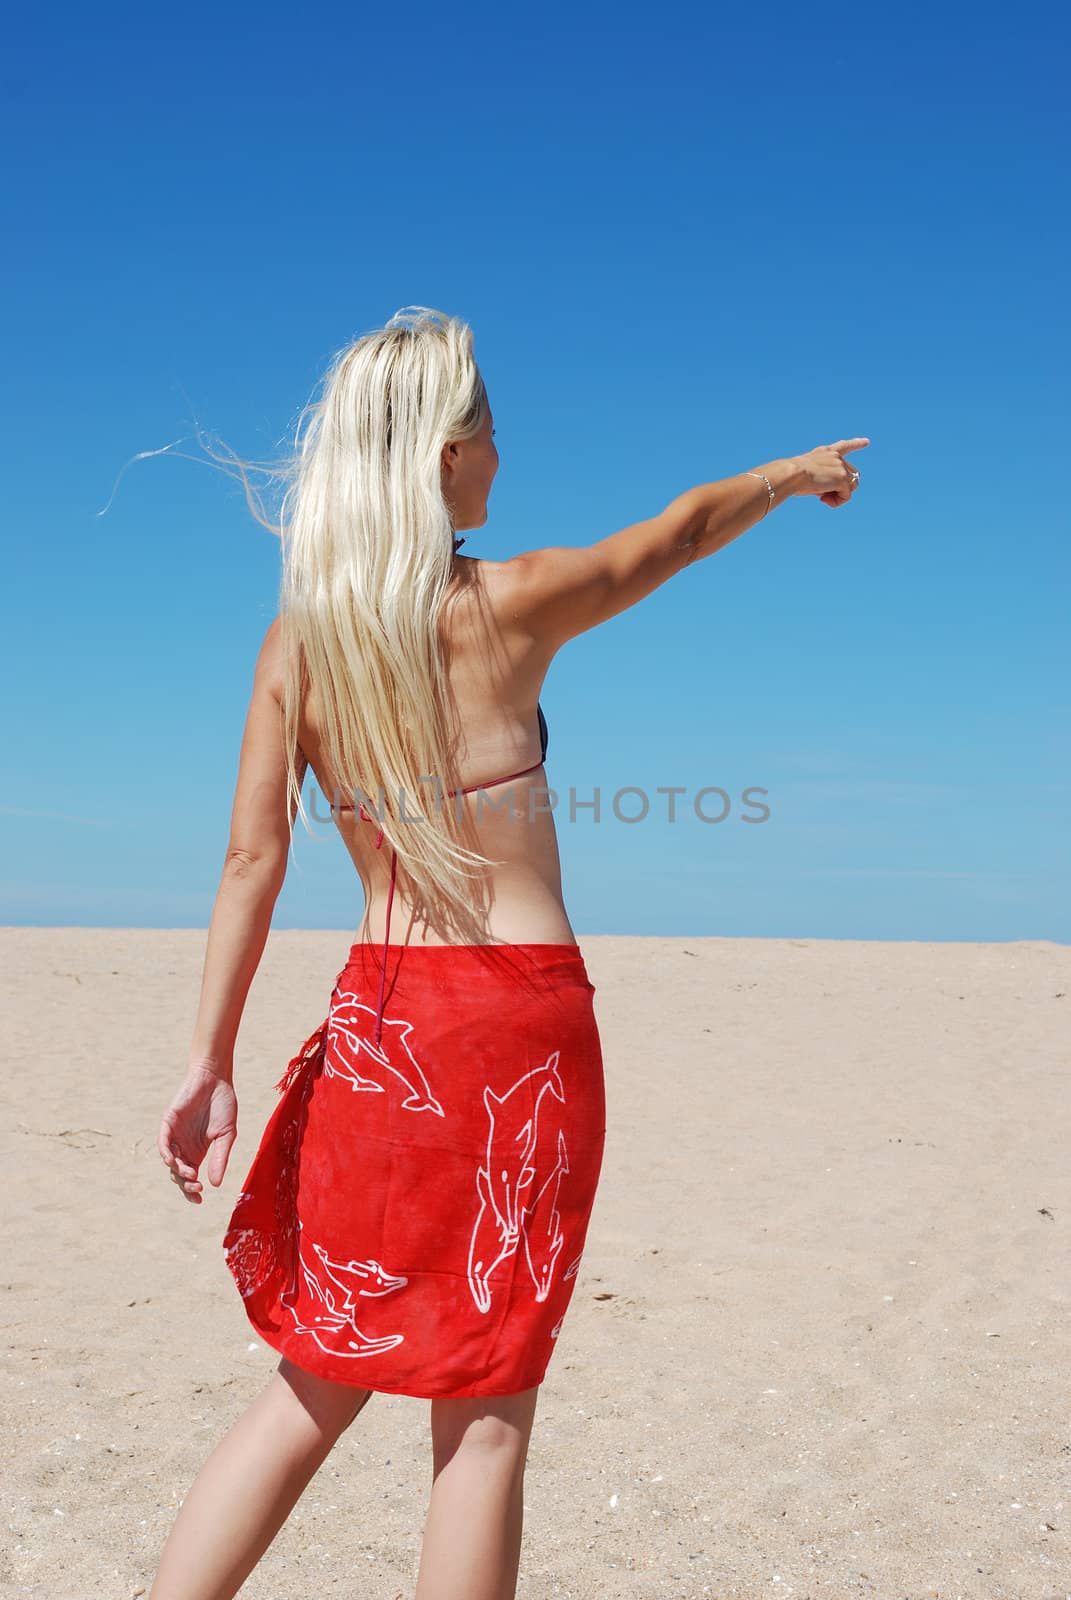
[[415, 1215]]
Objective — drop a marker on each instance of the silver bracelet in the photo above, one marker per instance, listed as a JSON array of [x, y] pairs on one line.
[[768, 484]]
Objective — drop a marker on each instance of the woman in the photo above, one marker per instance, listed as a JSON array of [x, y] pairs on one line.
[[416, 1212]]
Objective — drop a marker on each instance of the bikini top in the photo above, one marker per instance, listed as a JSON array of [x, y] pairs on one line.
[[490, 783]]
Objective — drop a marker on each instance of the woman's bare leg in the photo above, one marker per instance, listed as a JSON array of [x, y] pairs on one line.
[[472, 1537], [251, 1482]]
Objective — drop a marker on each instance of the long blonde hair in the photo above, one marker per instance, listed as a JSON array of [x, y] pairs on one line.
[[367, 558], [367, 543]]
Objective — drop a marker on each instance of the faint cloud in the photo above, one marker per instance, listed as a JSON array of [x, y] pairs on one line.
[[56, 816], [863, 791], [905, 872]]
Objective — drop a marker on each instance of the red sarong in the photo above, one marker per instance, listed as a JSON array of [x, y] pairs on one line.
[[416, 1211]]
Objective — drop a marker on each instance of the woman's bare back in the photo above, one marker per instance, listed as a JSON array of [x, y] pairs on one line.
[[503, 623], [496, 673]]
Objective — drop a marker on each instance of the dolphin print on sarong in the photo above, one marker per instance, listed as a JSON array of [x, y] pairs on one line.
[[333, 1290], [349, 1041], [504, 1179]]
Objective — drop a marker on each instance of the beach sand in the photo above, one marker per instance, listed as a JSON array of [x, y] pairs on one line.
[[819, 1343]]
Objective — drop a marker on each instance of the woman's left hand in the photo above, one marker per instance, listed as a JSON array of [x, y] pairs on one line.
[[201, 1119]]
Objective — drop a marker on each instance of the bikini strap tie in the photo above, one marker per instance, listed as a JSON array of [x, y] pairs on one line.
[[393, 877]]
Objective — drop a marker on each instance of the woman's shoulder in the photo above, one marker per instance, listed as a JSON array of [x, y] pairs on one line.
[[269, 666]]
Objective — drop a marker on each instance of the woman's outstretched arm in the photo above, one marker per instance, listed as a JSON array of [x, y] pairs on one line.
[[560, 591], [254, 869]]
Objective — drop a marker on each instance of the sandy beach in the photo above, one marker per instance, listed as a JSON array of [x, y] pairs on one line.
[[819, 1344]]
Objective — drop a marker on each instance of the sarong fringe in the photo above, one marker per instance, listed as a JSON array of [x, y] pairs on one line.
[[305, 1057]]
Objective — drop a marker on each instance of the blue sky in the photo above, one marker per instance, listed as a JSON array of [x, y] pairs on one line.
[[687, 243]]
